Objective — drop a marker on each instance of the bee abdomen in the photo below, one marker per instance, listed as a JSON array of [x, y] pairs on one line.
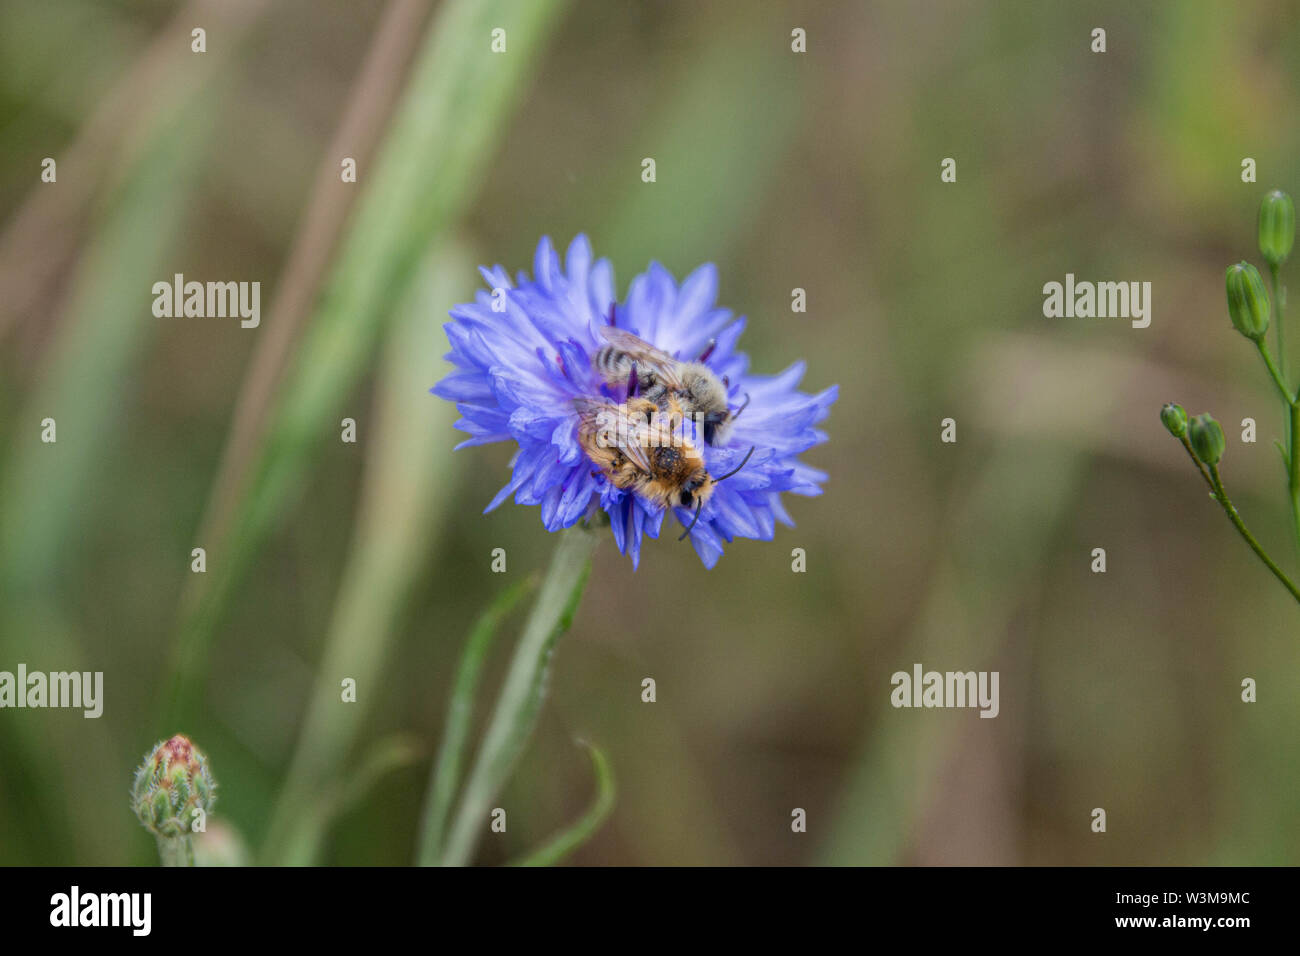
[[611, 363], [615, 367]]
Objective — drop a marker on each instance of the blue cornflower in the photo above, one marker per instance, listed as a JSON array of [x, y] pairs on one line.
[[523, 352]]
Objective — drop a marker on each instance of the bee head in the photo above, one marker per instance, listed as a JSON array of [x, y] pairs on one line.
[[697, 489], [689, 492], [713, 426]]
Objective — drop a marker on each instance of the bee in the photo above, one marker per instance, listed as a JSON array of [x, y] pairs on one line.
[[632, 362], [638, 449]]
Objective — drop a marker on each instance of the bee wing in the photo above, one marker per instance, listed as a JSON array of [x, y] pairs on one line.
[[628, 432], [635, 446], [590, 408], [644, 354]]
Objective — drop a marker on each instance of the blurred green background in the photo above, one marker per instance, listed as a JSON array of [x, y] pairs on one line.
[[818, 171]]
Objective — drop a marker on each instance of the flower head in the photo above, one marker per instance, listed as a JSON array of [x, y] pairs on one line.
[[524, 351]]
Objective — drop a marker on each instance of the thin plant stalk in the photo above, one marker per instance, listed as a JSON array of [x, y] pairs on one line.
[[1221, 496], [398, 217], [163, 83], [399, 513], [1293, 470], [1279, 304], [1293, 413], [369, 105], [451, 754], [1191, 452], [523, 691], [1278, 381], [176, 851]]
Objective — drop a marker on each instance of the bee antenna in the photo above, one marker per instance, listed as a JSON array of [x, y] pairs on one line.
[[744, 405], [748, 454], [694, 521], [708, 350]]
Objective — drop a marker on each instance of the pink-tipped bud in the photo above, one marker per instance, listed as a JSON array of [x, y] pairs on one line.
[[173, 782]]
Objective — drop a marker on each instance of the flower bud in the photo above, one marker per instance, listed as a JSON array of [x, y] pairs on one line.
[[1276, 227], [1174, 417], [173, 781], [1247, 300], [1207, 439]]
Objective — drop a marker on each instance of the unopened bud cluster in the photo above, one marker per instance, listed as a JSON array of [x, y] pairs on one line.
[[170, 785], [1202, 434], [1249, 309]]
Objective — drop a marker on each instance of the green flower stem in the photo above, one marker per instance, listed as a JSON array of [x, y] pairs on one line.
[[1293, 413], [1287, 398], [176, 851], [1293, 470], [1221, 496], [1279, 303], [446, 771], [523, 691], [1191, 453]]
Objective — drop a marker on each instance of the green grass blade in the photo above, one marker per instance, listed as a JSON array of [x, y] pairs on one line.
[[49, 493], [460, 710], [409, 469], [521, 695], [562, 844], [48, 488], [443, 132]]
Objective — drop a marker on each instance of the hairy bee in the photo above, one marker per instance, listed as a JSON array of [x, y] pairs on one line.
[[632, 363], [641, 450]]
